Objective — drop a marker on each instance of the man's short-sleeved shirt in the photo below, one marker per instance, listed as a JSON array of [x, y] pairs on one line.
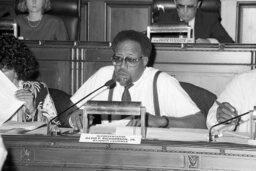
[[173, 100]]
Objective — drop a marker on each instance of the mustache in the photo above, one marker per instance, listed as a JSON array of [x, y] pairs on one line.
[[121, 71], [120, 74]]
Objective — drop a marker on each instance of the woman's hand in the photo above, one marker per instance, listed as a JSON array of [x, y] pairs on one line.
[[28, 97]]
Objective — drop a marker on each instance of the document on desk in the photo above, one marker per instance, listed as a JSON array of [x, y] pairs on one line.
[[13, 127], [8, 103], [172, 134]]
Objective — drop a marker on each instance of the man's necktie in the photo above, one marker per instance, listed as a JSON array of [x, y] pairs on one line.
[[126, 97]]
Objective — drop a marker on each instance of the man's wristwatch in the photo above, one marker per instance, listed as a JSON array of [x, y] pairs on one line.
[[167, 122]]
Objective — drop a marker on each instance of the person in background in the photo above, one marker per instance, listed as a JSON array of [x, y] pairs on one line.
[[237, 98], [39, 26], [206, 25], [21, 67], [132, 50]]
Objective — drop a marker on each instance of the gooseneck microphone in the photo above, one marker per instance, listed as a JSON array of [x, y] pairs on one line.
[[223, 122], [110, 84]]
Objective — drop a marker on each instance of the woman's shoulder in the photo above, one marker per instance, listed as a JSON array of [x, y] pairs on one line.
[[20, 17], [52, 18]]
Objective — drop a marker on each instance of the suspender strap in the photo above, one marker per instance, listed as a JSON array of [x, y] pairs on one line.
[[155, 94]]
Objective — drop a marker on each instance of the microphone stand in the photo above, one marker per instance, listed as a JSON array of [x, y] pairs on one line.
[[111, 83], [226, 121]]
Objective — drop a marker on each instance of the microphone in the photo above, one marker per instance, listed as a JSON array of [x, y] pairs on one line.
[[110, 84], [223, 122]]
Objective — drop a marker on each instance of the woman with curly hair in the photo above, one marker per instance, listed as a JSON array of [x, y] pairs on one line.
[[21, 67], [39, 26]]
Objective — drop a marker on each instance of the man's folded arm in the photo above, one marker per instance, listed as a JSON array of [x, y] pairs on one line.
[[197, 120]]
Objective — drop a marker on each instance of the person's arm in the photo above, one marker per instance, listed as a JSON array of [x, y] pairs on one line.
[[191, 121], [197, 120], [230, 102], [218, 32]]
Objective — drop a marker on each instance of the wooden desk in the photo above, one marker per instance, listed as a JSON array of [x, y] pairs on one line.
[[32, 152]]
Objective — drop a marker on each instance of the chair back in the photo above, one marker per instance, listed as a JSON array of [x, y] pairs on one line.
[[165, 6], [68, 11], [203, 98], [61, 101]]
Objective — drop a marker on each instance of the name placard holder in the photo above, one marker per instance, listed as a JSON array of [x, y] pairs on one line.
[[113, 108], [9, 26], [170, 34]]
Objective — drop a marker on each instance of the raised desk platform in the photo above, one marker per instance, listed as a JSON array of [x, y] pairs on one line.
[[32, 152], [67, 65]]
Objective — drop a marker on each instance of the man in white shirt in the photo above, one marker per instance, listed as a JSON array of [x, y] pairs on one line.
[[132, 50]]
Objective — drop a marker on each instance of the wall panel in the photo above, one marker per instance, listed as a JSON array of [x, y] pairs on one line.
[[84, 21], [246, 26], [123, 16]]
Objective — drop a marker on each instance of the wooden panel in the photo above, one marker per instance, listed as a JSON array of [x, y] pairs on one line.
[[55, 66], [86, 60], [126, 16], [96, 23], [204, 57], [84, 21], [246, 22], [56, 74], [28, 152]]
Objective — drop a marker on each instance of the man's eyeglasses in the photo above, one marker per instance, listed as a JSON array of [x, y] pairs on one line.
[[188, 7], [117, 60]]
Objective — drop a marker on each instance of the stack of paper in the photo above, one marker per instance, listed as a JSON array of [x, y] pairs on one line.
[[8, 103]]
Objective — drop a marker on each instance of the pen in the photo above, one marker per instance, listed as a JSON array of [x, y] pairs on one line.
[[218, 103]]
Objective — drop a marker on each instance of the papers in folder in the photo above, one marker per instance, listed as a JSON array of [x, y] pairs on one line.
[[8, 103]]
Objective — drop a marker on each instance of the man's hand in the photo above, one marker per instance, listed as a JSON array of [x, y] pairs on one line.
[[76, 119], [225, 111], [151, 121], [199, 40], [28, 97]]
